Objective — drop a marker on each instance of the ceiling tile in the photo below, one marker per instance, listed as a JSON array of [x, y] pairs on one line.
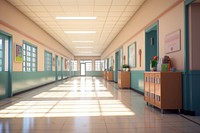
[[37, 8], [114, 14], [101, 8], [16, 2], [54, 8], [103, 2], [86, 8], [120, 2], [111, 15], [136, 2], [117, 8], [31, 2], [23, 9], [68, 2], [50, 2], [131, 8]]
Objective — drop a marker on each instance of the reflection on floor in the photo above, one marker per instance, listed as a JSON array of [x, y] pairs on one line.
[[86, 105]]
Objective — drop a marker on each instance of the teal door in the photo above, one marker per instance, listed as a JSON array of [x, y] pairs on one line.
[[5, 67], [151, 44]]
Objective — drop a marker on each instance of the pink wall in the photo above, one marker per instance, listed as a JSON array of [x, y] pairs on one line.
[[169, 14], [22, 28]]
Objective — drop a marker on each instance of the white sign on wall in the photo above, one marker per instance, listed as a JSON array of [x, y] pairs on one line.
[[173, 42]]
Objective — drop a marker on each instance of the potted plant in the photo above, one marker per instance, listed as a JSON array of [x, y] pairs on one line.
[[153, 63], [125, 67]]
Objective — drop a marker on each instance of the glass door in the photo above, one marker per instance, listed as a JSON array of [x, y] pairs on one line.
[[5, 80], [82, 69]]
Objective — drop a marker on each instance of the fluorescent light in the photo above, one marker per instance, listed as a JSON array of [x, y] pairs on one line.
[[77, 18], [83, 47], [80, 32], [83, 41]]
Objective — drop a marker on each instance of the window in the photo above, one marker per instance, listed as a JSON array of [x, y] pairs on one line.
[[1, 55], [29, 58], [97, 65], [102, 65], [74, 65], [88, 64], [47, 61]]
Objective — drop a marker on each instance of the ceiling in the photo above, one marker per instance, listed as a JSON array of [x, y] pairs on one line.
[[111, 17]]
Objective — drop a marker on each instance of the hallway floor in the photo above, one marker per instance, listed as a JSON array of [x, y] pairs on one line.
[[86, 105]]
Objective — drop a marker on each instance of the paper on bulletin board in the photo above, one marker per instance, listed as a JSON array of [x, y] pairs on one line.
[[18, 53], [173, 42]]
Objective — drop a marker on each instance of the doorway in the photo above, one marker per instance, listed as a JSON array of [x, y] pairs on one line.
[[83, 69], [56, 63], [151, 44], [5, 66]]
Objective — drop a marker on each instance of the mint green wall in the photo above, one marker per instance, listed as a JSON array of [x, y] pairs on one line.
[[93, 73], [137, 80], [26, 80], [77, 73], [87, 73], [3, 84]]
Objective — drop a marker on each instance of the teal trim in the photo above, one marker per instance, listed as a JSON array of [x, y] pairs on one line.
[[188, 2], [26, 80], [148, 30], [8, 82], [154, 26], [137, 80]]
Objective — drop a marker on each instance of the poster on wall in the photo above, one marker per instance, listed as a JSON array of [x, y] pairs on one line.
[[132, 55], [173, 42], [18, 53]]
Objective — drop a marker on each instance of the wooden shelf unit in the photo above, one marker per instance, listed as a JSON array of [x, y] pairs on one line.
[[163, 89], [124, 79], [110, 75]]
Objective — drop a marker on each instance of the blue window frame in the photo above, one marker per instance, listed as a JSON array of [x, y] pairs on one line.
[[47, 61], [29, 57]]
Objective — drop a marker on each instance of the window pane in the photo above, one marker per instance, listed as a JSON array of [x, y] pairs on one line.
[[47, 61], [29, 57]]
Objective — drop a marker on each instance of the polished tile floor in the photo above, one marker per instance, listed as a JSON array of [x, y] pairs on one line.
[[86, 105]]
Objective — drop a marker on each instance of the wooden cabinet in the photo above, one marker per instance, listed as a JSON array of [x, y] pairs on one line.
[[110, 75], [163, 89], [124, 79], [105, 75]]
